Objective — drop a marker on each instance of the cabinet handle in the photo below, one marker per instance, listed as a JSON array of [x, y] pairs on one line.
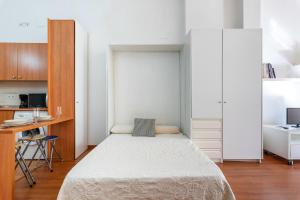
[[219, 101], [225, 101], [19, 77], [14, 77]]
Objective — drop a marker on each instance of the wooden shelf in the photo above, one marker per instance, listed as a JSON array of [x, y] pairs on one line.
[[281, 79], [20, 109], [145, 47]]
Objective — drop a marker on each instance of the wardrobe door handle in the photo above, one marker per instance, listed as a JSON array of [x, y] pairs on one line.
[[19, 77], [14, 77], [219, 101], [225, 101]]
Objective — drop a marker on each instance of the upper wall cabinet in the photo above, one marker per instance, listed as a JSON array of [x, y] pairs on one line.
[[32, 62], [23, 62], [8, 61]]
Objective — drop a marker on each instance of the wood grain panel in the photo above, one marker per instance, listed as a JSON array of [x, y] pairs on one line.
[[5, 115], [8, 61], [7, 169], [61, 73], [32, 61]]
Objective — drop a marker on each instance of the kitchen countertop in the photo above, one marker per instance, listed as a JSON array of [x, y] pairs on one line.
[[20, 109], [16, 129]]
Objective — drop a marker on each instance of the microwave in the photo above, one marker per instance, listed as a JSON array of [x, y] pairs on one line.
[[37, 100]]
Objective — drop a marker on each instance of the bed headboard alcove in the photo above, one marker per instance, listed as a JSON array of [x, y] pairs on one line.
[[145, 81]]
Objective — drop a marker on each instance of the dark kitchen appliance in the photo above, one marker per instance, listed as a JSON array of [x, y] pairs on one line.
[[23, 100], [37, 100]]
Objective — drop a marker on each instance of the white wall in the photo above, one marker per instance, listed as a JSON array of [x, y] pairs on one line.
[[15, 88], [203, 14], [277, 96], [233, 13], [106, 21], [252, 13], [146, 21], [281, 42], [147, 85], [23, 87]]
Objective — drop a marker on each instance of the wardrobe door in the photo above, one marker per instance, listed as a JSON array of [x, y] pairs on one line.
[[206, 62], [80, 90], [242, 94]]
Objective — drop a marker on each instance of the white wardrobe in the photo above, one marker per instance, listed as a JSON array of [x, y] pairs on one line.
[[226, 92]]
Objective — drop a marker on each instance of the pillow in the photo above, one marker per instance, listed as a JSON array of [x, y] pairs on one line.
[[166, 129], [122, 129], [144, 127]]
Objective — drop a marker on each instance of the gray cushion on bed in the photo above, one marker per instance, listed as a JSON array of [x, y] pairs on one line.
[[144, 127]]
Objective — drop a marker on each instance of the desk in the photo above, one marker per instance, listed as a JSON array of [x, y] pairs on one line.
[[7, 154], [282, 142]]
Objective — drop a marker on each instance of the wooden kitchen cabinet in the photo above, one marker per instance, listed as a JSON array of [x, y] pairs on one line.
[[32, 62], [23, 61], [8, 61], [5, 115]]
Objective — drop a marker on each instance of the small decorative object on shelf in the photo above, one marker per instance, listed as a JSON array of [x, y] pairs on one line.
[[268, 71]]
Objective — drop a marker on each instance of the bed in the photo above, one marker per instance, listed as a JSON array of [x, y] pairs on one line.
[[167, 166]]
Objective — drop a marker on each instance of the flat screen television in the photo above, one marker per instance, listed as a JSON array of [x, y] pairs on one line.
[[293, 116]]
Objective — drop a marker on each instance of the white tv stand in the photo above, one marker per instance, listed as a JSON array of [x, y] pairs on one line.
[[282, 142]]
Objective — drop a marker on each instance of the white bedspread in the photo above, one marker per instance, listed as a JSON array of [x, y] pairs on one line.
[[162, 167]]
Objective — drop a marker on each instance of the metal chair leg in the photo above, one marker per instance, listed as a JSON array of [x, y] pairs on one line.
[[23, 153], [51, 153], [25, 150], [43, 153], [33, 157], [20, 161], [27, 169], [59, 156]]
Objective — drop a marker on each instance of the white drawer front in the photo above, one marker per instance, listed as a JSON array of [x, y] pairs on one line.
[[295, 151], [208, 144], [213, 154], [206, 134], [206, 124]]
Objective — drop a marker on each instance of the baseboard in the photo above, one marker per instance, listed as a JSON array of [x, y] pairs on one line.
[[91, 146]]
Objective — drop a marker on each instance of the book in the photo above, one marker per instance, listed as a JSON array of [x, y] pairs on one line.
[[268, 71], [273, 71]]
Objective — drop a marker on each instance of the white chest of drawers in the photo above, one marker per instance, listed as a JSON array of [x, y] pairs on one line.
[[207, 135]]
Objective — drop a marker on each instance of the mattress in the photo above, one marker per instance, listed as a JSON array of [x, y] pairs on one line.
[[167, 166]]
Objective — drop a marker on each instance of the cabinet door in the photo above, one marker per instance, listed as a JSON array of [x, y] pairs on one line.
[[206, 61], [6, 115], [32, 62], [81, 142], [61, 93], [242, 94], [8, 61]]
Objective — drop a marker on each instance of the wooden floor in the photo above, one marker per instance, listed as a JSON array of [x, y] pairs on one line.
[[271, 180]]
